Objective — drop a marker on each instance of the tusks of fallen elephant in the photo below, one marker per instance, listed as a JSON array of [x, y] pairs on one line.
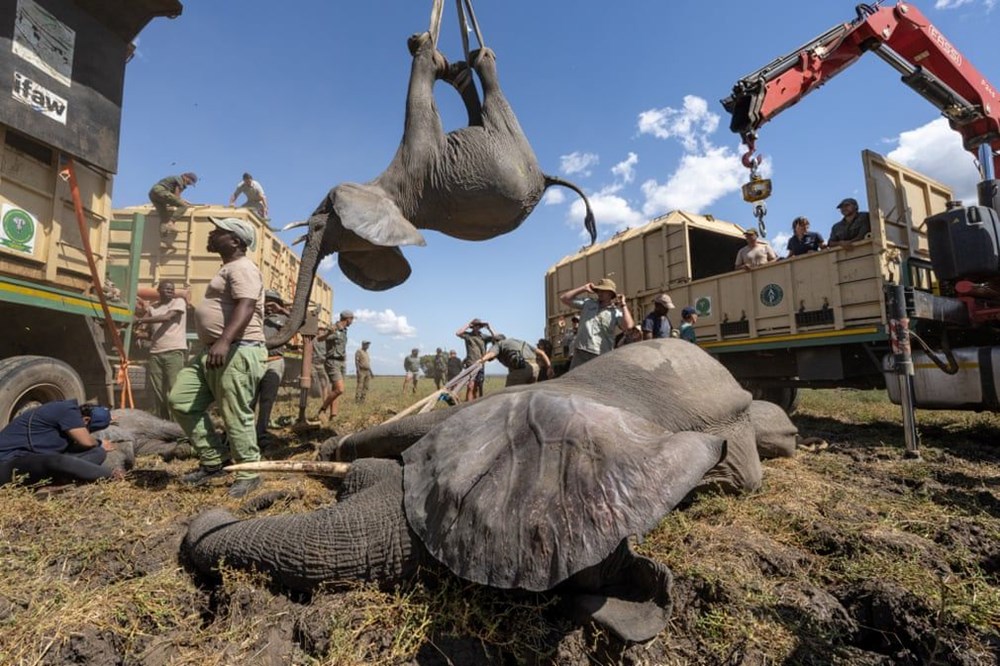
[[317, 467]]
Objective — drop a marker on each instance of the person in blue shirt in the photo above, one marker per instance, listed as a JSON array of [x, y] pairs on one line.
[[804, 241], [689, 317], [55, 442]]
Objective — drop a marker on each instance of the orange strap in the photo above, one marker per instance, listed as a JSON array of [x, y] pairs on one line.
[[122, 378]]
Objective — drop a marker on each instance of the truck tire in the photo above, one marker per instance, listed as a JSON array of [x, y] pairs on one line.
[[783, 396], [29, 381]]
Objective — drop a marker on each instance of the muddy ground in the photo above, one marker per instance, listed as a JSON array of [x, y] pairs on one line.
[[850, 554]]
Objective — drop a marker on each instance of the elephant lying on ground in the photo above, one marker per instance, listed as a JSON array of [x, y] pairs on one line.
[[474, 183], [149, 435], [535, 487]]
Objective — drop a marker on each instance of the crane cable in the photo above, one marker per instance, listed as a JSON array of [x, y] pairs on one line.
[[68, 173]]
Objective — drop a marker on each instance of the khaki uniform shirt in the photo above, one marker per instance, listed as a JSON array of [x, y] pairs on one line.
[[361, 361], [758, 256], [235, 280], [169, 335]]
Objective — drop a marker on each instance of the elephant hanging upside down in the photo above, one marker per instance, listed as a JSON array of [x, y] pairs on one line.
[[474, 183], [536, 487]]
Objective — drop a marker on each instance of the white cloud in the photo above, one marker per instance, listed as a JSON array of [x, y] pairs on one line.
[[699, 181], [327, 263], [387, 322], [936, 150], [610, 210], [950, 4], [690, 125], [626, 168], [553, 196], [780, 242], [577, 162]]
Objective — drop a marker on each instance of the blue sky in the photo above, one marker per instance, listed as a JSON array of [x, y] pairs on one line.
[[622, 98]]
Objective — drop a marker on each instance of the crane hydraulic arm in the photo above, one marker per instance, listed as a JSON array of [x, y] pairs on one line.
[[903, 37]]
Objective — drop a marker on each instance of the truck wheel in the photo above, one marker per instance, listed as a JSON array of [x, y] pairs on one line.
[[783, 396], [29, 381]]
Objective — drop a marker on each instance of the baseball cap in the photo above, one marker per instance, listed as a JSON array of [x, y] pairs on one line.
[[750, 232], [665, 301], [272, 295], [100, 418], [239, 228], [365, 342], [605, 284], [688, 311], [190, 175], [848, 200], [346, 314]]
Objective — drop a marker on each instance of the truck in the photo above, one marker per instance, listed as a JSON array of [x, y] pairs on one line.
[[928, 274], [65, 326]]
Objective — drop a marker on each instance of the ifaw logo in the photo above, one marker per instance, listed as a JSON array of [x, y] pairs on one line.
[[39, 98]]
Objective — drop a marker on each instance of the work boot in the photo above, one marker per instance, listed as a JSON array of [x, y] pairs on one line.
[[244, 487], [202, 475]]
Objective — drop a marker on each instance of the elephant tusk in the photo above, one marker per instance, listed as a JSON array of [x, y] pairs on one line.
[[295, 225], [317, 467], [300, 239]]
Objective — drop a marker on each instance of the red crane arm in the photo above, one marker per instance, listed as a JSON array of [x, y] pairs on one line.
[[903, 37]]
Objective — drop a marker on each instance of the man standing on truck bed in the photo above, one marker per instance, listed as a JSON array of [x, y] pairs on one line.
[[754, 253], [599, 317], [251, 189], [854, 225], [166, 198], [230, 325], [167, 320]]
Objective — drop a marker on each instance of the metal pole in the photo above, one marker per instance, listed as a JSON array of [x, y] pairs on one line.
[[899, 338]]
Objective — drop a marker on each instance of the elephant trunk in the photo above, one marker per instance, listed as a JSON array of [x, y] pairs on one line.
[[588, 221], [304, 281], [362, 537]]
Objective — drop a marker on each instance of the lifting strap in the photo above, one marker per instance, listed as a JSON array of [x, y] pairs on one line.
[[69, 173]]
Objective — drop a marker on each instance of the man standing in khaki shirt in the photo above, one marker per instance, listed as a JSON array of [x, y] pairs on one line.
[[363, 365], [230, 325], [168, 338]]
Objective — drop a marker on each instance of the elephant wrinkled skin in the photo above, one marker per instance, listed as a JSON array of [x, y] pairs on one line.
[[535, 487]]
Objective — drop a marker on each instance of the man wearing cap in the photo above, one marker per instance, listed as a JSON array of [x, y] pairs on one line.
[[600, 317], [275, 316], [853, 226], [54, 441], [754, 253], [411, 370], [336, 363], [228, 370], [363, 368], [251, 189], [167, 320], [454, 364], [475, 347], [166, 199], [689, 317], [521, 360], [657, 323]]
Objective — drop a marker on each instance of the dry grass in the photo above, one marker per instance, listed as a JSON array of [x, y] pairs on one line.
[[847, 555]]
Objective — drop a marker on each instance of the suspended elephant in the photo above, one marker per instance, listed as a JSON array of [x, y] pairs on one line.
[[474, 183], [535, 487]]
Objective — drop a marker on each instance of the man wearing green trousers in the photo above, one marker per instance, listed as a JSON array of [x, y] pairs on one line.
[[230, 325], [167, 320]]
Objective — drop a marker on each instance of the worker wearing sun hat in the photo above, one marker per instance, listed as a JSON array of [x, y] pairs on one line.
[[657, 323], [600, 316], [230, 325]]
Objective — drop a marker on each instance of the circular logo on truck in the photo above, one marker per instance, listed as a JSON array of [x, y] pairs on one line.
[[18, 226], [703, 306], [771, 295]]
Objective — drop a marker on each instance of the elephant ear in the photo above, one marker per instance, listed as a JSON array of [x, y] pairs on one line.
[[530, 487], [368, 212], [377, 269]]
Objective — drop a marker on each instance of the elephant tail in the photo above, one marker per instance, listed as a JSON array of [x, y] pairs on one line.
[[588, 221]]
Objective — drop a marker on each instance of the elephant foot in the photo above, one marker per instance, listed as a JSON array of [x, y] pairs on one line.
[[476, 57], [421, 43]]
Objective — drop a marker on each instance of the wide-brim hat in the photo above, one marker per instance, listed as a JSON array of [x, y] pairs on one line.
[[239, 228], [606, 284], [271, 295], [750, 232]]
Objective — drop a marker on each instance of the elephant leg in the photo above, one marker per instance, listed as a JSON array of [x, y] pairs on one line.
[[365, 537], [774, 431], [459, 77], [423, 134], [386, 440], [626, 593]]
